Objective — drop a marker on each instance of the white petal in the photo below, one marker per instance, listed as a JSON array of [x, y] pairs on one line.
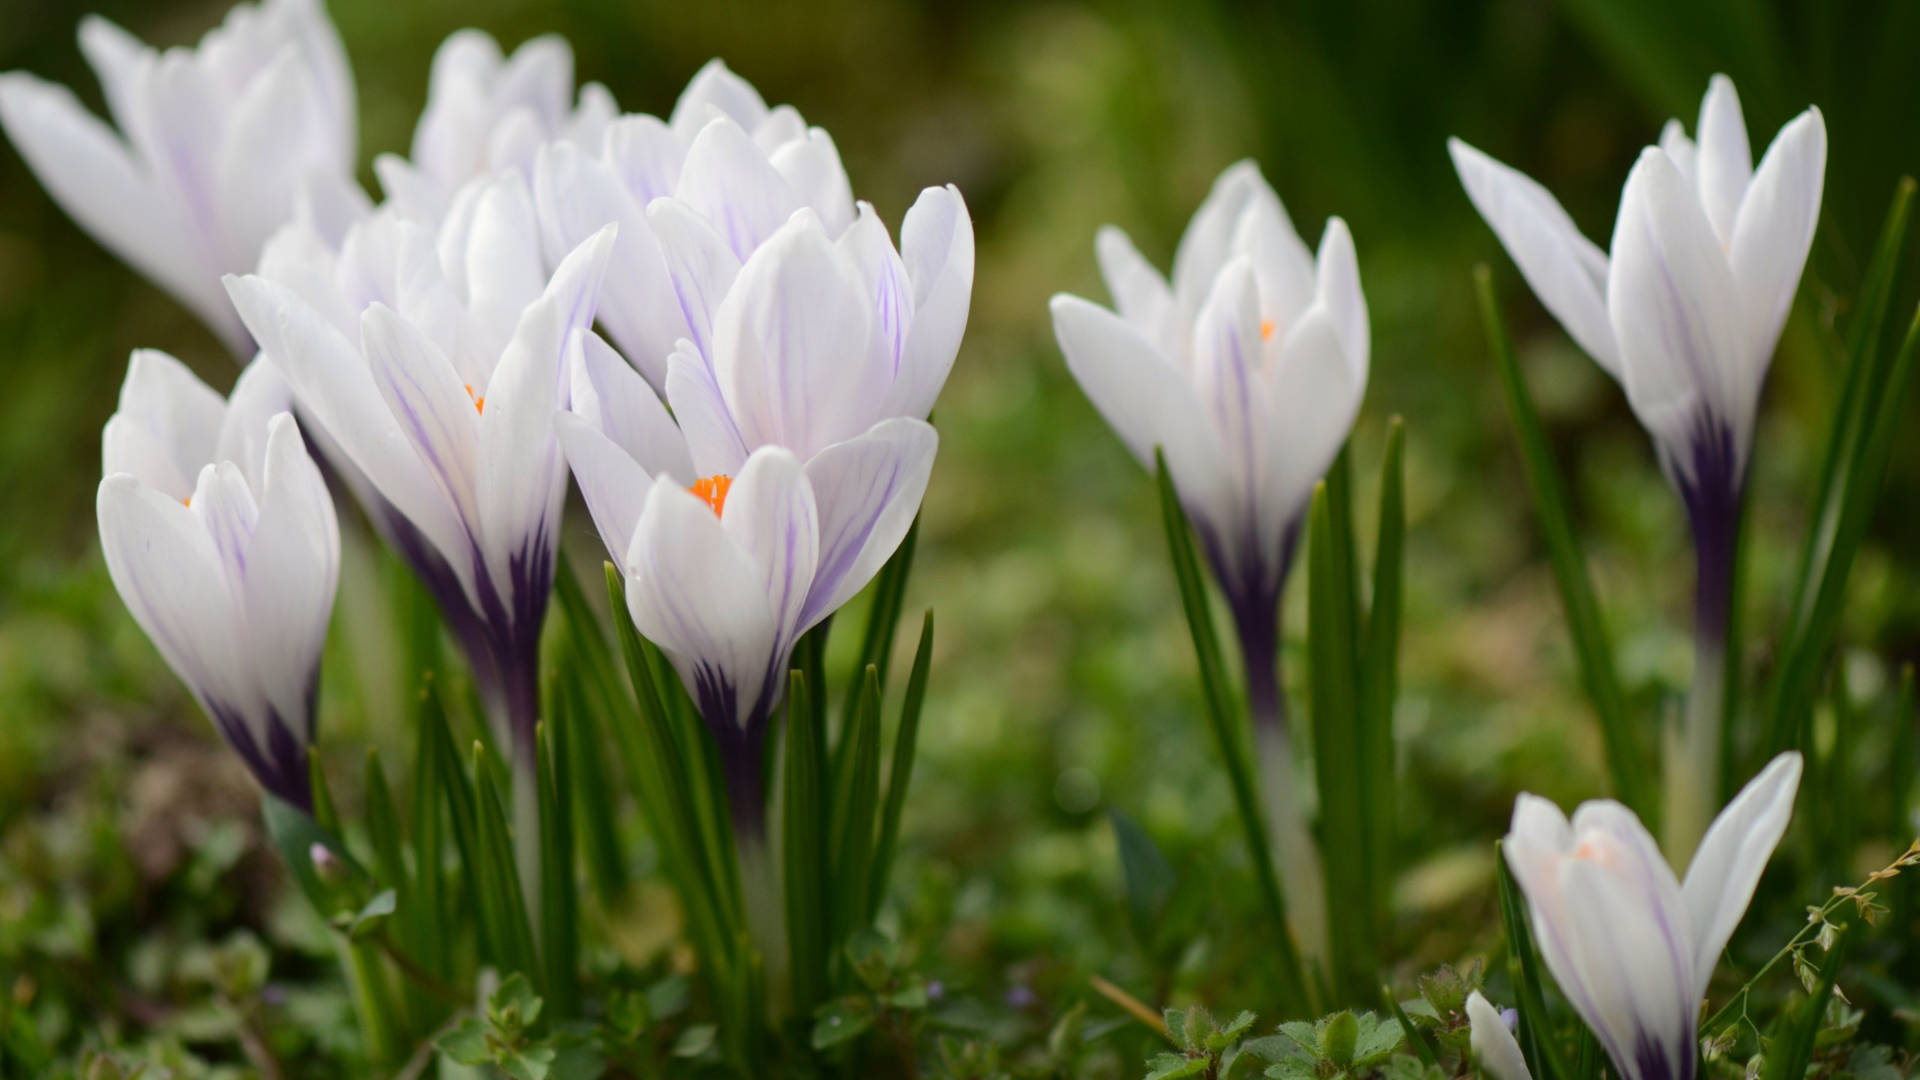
[[793, 352], [330, 205], [885, 277], [1227, 351], [260, 394], [1622, 954], [166, 570], [715, 88], [438, 415], [613, 484], [617, 402], [539, 75], [1140, 294], [587, 127], [1208, 241], [226, 509], [1724, 161], [86, 169], [1282, 263], [502, 255], [409, 191], [1673, 139], [645, 156], [116, 58], [770, 515], [1564, 269], [577, 195], [713, 438], [293, 569], [700, 268], [727, 180], [811, 165], [697, 596], [275, 137], [334, 383], [174, 413], [783, 124], [936, 242], [1338, 272], [868, 490], [1495, 1050], [1775, 226], [522, 474], [1142, 397], [1727, 865], [1675, 312], [333, 76], [1313, 396]]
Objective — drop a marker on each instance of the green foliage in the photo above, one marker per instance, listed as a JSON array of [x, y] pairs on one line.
[[508, 1036]]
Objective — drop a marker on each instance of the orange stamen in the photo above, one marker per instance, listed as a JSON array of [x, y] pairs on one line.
[[479, 402], [713, 491], [1266, 329]]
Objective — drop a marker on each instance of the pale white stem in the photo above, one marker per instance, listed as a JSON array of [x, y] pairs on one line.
[[1297, 857], [1692, 760], [766, 917]]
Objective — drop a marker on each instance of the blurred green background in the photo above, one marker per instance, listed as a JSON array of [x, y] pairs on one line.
[[1064, 677]]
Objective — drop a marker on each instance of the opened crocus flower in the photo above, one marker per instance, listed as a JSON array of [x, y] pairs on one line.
[[442, 390], [220, 536], [791, 488], [1490, 1037], [1685, 313], [487, 112], [213, 144], [698, 194], [795, 468], [1247, 371], [1632, 948]]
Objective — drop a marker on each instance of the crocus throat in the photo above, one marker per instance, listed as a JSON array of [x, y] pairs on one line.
[[1266, 329], [479, 401], [712, 490]]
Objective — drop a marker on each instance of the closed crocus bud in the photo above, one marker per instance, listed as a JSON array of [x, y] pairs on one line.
[[213, 144], [487, 112], [220, 536], [1685, 312], [1633, 948], [698, 194], [1495, 1050], [436, 361]]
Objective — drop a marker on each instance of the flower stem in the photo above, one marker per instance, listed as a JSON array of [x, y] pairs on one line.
[[742, 764], [1692, 773], [1301, 878]]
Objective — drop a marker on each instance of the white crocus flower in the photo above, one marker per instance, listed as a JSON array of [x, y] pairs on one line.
[[487, 112], [803, 485], [220, 536], [697, 194], [800, 406], [436, 362], [1247, 371], [1685, 312], [1632, 948], [212, 145], [1495, 1051]]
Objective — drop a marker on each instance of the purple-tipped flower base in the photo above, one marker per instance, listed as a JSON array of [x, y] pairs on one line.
[[1712, 486]]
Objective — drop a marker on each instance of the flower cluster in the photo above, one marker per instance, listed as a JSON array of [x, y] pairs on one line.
[[439, 350]]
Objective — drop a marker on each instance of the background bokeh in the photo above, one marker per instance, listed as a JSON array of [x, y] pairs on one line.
[[1064, 677]]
